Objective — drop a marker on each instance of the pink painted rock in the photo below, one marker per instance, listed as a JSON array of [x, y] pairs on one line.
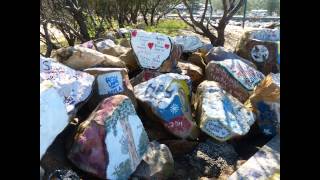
[[110, 144], [168, 98], [219, 114], [234, 76], [109, 82]]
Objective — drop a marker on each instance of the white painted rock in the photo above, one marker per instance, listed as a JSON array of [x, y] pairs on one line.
[[74, 86], [220, 115], [151, 49], [53, 115], [265, 34], [110, 144], [189, 43], [168, 98], [107, 43]]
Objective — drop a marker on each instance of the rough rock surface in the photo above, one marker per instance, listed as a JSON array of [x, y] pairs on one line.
[[80, 58], [219, 114], [261, 47], [168, 97], [74, 86], [211, 158], [88, 44], [116, 50], [53, 115], [144, 75], [110, 144], [157, 163], [194, 72], [196, 58], [130, 60], [234, 76]]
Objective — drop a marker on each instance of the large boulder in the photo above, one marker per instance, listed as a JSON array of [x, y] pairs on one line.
[[265, 102], [260, 46], [73, 86], [211, 159], [219, 114], [109, 82], [130, 60], [189, 43], [151, 49], [194, 72], [166, 98], [80, 58], [157, 163], [53, 115], [110, 144], [220, 53], [234, 76]]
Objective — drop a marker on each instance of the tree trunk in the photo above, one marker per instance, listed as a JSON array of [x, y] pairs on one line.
[[145, 19], [48, 40], [83, 26]]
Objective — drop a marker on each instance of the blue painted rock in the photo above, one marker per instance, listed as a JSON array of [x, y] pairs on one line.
[[189, 43], [73, 86], [53, 115], [220, 53], [265, 102], [260, 46], [234, 76], [80, 58], [219, 114], [109, 82], [110, 144], [166, 98]]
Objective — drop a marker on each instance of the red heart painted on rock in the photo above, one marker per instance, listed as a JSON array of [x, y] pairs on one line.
[[134, 33], [167, 46], [150, 45]]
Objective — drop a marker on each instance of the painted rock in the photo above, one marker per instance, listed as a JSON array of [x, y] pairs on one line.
[[109, 82], [170, 65], [130, 60], [168, 98], [234, 76], [212, 158], [74, 86], [107, 43], [219, 114], [189, 43], [123, 32], [110, 144], [260, 46], [53, 115], [80, 58], [193, 71], [144, 75], [205, 49], [265, 102], [220, 53], [88, 44], [157, 163], [151, 49]]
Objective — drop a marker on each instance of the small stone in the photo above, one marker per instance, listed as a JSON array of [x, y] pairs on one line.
[[157, 163]]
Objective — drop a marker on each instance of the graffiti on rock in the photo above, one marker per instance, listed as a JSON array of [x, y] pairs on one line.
[[259, 53]]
